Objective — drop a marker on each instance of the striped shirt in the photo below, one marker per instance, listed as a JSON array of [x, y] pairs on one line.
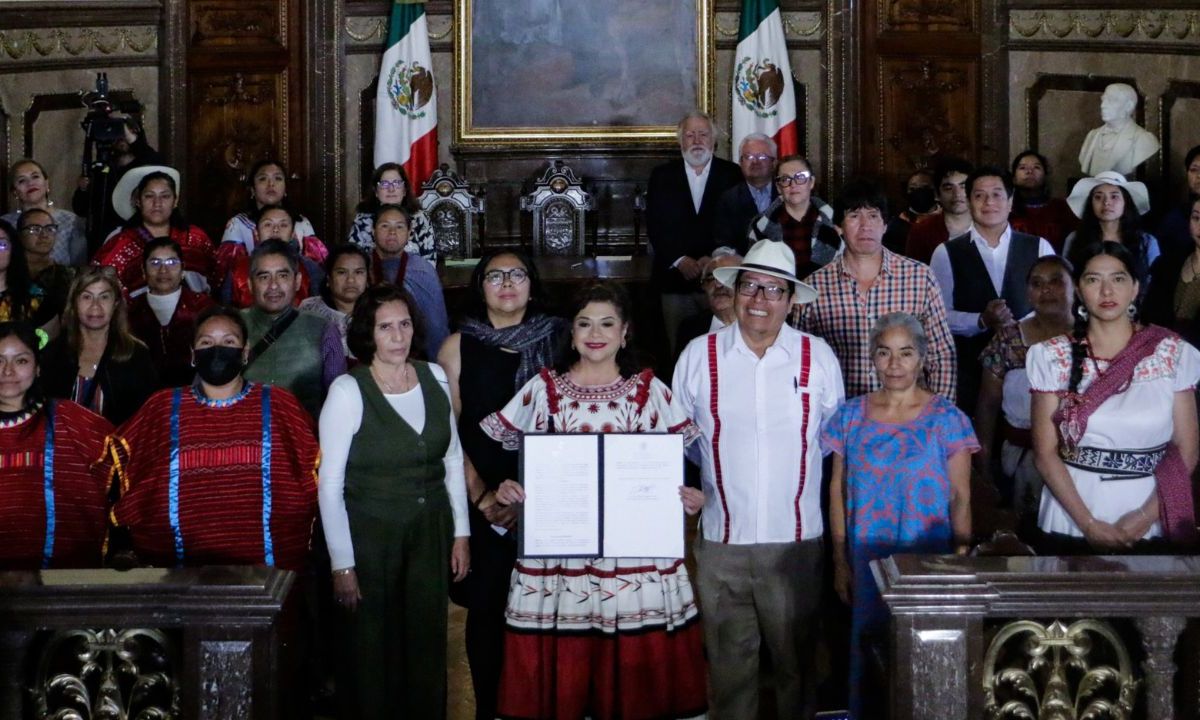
[[844, 319], [760, 460]]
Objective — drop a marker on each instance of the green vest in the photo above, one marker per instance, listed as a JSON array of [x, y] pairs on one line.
[[388, 459], [294, 360]]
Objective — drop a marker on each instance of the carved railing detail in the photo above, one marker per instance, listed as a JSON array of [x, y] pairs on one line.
[[1055, 673]]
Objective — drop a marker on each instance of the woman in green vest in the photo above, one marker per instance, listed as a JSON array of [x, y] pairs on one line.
[[394, 507]]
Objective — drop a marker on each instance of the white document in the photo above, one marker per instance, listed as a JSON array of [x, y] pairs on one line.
[[561, 477], [643, 516]]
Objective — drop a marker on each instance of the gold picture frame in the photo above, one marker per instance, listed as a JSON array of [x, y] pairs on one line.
[[572, 73]]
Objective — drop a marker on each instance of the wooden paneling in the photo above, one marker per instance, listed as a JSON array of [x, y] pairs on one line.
[[244, 102], [921, 84]]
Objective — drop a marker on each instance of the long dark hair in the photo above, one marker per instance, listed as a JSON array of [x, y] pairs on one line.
[[477, 306], [370, 203], [1129, 228], [17, 280], [176, 220], [24, 332], [252, 204], [628, 364], [1079, 348], [360, 333]]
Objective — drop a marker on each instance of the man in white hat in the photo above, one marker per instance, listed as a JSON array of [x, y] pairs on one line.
[[759, 390]]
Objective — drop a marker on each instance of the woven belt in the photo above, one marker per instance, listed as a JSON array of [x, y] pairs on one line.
[[1116, 464]]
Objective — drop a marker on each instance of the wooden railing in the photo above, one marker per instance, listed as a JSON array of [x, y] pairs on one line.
[[995, 637], [203, 643]]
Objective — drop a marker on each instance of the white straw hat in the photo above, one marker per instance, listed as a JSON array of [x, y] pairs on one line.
[[122, 199], [1083, 190], [769, 257]]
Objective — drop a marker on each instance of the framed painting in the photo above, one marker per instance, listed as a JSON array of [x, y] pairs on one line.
[[579, 72]]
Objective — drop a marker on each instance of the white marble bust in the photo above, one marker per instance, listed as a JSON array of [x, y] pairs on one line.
[[1119, 144]]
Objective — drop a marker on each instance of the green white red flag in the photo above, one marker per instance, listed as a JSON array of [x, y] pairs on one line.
[[764, 99], [406, 102]]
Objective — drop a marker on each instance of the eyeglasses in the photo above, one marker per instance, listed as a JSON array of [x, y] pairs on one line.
[[40, 230], [756, 157], [390, 184], [496, 278], [163, 262], [801, 178], [774, 293], [5, 246]]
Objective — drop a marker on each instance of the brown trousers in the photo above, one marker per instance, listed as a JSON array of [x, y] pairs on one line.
[[751, 595]]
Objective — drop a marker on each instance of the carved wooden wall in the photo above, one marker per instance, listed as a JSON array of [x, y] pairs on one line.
[[245, 101], [921, 84]]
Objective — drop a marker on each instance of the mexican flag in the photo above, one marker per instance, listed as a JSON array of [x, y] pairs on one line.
[[764, 99], [406, 102]]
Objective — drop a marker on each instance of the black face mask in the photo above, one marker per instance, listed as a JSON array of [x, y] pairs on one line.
[[218, 365], [921, 199]]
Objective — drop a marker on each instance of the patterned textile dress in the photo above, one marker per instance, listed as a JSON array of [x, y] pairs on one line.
[[600, 637], [123, 252], [897, 499], [212, 482], [53, 487]]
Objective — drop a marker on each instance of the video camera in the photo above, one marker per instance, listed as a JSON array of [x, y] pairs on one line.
[[99, 126]]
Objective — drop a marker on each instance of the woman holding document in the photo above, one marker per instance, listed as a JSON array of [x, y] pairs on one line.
[[598, 637]]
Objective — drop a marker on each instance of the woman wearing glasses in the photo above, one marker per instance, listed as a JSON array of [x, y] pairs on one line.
[[97, 361], [501, 344], [164, 317], [20, 298], [798, 218], [31, 189], [36, 234], [391, 262], [390, 185]]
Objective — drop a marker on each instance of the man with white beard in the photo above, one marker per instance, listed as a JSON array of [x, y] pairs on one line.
[[681, 201]]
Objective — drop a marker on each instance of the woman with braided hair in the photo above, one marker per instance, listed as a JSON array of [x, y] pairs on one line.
[[1114, 421]]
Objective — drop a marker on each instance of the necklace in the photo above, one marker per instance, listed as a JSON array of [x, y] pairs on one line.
[[388, 388]]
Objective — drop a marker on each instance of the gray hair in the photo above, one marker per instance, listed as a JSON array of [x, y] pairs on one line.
[[698, 115], [717, 254], [900, 320], [761, 137]]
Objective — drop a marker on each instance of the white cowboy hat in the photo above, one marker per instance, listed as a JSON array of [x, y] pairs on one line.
[[1083, 190], [769, 257], [123, 194]]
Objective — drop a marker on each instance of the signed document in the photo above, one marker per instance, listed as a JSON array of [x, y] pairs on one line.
[[561, 477], [643, 516], [602, 495]]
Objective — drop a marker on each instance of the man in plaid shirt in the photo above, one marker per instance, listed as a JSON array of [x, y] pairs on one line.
[[867, 281]]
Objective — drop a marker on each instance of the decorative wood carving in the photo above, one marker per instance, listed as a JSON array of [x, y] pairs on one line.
[[928, 110], [223, 23], [236, 119], [922, 15]]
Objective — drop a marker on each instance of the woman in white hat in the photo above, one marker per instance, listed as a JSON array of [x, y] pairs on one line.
[[148, 198], [1110, 208]]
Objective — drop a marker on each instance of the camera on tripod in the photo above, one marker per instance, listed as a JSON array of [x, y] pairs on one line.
[[99, 126]]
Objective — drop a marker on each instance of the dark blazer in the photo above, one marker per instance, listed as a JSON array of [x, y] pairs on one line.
[[674, 227], [735, 210], [126, 385]]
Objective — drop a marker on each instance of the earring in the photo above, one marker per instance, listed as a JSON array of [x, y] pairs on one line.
[[1082, 312], [622, 342], [1132, 311]]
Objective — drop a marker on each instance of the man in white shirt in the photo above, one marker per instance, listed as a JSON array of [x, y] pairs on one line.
[[681, 203], [982, 274], [759, 553]]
